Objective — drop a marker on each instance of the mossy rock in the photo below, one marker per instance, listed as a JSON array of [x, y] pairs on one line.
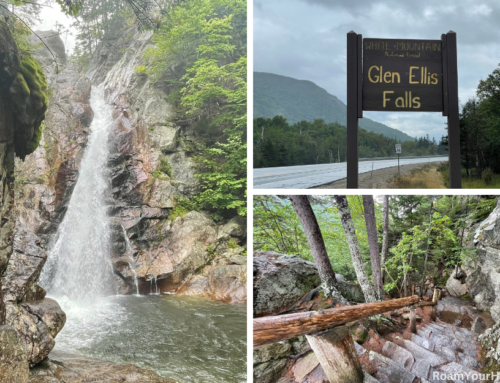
[[30, 90]]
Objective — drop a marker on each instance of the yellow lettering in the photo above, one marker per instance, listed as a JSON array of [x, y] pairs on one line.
[[416, 101], [387, 77], [387, 99], [434, 79], [395, 74], [412, 75], [401, 102], [369, 74]]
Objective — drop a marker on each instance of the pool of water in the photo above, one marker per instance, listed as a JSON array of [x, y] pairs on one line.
[[187, 339]]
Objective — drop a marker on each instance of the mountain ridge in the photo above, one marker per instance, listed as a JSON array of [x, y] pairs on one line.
[[299, 100]]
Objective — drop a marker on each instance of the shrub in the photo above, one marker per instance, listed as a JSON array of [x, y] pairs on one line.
[[488, 176]]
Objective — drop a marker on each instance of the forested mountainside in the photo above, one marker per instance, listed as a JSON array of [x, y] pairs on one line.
[[279, 143], [302, 100], [134, 184]]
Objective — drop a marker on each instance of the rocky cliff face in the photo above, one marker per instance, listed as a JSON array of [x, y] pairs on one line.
[[23, 311], [483, 280], [152, 169], [168, 248]]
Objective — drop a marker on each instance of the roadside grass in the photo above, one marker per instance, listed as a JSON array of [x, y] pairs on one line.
[[425, 177], [472, 182]]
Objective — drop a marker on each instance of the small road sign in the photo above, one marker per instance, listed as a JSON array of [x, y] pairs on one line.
[[398, 148]]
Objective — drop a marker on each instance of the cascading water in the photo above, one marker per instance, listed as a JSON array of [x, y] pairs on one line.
[[79, 266], [190, 340]]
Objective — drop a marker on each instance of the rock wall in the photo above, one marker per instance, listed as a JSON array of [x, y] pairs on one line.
[[483, 274], [152, 169]]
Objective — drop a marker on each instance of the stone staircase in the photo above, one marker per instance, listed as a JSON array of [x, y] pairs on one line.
[[436, 350]]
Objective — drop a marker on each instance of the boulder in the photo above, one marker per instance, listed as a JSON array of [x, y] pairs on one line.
[[14, 365], [456, 287], [38, 323], [225, 283], [36, 319], [280, 281]]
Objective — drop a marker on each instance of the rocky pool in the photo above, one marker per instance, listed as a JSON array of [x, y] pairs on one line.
[[188, 339]]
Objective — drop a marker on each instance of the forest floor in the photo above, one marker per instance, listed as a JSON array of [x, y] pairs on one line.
[[415, 176]]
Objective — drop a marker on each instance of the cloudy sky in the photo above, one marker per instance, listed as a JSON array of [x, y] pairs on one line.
[[306, 39]]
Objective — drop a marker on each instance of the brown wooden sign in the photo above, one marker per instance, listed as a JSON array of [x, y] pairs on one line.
[[400, 75]]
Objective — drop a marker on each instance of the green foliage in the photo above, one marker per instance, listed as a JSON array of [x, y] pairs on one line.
[[277, 228], [208, 38], [277, 143], [299, 100], [178, 211], [232, 244], [141, 69]]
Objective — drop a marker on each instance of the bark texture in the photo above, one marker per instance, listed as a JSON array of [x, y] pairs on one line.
[[385, 236], [317, 246], [272, 329], [371, 230], [352, 242]]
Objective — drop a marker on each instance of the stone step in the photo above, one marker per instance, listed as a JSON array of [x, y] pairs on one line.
[[453, 372], [424, 359], [425, 343], [389, 371], [398, 354], [369, 379]]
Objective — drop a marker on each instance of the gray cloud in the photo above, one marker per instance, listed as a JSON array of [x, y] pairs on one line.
[[306, 39]]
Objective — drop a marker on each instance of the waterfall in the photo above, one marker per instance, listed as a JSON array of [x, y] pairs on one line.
[[79, 265], [131, 263]]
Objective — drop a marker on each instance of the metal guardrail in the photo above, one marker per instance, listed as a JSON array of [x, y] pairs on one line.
[[401, 158]]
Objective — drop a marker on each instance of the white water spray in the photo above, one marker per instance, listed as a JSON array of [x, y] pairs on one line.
[[79, 265]]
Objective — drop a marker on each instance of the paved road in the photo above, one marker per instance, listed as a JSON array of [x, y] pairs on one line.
[[307, 176]]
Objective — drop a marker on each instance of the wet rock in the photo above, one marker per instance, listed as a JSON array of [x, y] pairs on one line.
[[53, 40], [38, 322], [13, 363], [67, 368], [226, 283], [36, 319], [478, 326]]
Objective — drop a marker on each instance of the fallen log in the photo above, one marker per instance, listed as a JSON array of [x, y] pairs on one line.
[[272, 329]]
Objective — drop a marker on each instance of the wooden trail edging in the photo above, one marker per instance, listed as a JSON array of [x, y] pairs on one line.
[[272, 329]]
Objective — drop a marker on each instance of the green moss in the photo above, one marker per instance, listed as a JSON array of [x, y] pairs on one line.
[[32, 81], [232, 244], [466, 296], [178, 211]]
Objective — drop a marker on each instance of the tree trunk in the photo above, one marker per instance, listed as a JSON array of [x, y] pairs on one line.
[[371, 230], [352, 242], [272, 329], [316, 243], [385, 236], [337, 355], [427, 251]]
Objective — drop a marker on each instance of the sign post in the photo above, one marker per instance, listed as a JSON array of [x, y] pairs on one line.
[[401, 75], [398, 151]]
